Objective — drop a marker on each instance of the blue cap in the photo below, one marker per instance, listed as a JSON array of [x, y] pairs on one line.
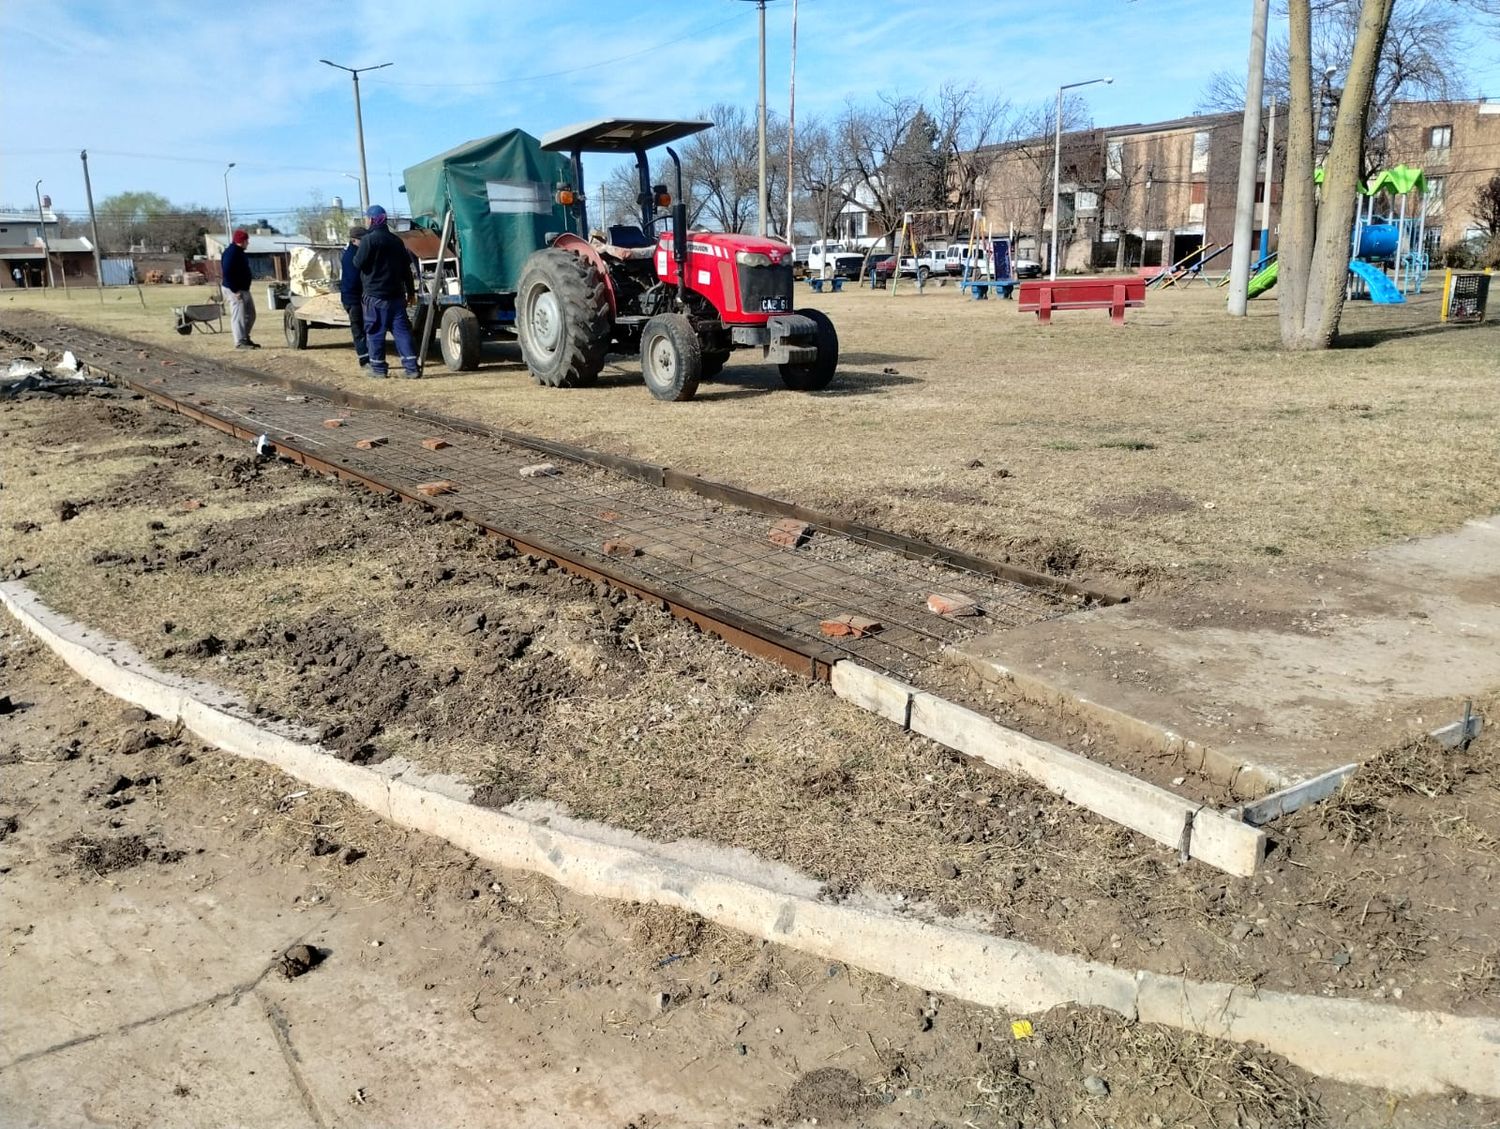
[[375, 212]]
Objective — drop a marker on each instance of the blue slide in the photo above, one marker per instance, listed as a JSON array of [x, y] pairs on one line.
[[1383, 291]]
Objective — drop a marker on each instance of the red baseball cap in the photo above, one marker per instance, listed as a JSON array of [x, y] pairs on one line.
[[240, 236]]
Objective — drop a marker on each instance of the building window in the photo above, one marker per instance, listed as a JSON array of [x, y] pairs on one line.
[[1436, 186], [1115, 163], [1432, 240], [1440, 137], [1200, 151]]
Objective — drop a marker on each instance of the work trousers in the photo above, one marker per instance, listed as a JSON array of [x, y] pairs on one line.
[[384, 315], [357, 331], [241, 314]]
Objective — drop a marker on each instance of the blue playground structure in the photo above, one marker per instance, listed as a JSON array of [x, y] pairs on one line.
[[1394, 242]]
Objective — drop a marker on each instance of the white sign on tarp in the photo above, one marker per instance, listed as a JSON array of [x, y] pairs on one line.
[[515, 197]]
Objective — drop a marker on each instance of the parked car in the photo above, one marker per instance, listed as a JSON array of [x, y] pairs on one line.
[[1027, 268]]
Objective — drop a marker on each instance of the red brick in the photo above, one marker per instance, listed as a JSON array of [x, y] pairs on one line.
[[192, 504], [433, 489], [789, 532], [333, 423], [435, 444], [372, 443], [857, 626], [619, 547], [952, 604], [609, 515]]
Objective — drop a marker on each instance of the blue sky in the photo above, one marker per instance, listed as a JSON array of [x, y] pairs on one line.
[[164, 94]]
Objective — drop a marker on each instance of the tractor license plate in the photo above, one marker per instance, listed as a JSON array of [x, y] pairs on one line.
[[777, 305]]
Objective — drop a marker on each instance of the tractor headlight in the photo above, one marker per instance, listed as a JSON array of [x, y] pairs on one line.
[[752, 259]]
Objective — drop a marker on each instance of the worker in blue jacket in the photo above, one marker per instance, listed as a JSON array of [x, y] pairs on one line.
[[351, 293], [385, 268], [234, 273]]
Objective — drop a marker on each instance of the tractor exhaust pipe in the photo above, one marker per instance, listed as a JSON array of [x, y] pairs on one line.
[[679, 231]]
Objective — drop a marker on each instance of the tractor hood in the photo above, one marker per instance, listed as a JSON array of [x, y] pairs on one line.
[[731, 242]]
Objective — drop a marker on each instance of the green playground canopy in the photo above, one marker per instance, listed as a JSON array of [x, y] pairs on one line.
[[1398, 181], [503, 192]]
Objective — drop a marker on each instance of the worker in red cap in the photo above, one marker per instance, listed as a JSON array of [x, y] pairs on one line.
[[235, 273]]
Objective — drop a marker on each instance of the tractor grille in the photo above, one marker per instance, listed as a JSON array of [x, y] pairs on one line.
[[766, 290]]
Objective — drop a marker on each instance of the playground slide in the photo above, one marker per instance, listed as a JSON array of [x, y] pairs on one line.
[[1383, 291], [1262, 282]]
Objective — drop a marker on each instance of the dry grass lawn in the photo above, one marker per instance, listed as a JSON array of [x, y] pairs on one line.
[[1180, 445]]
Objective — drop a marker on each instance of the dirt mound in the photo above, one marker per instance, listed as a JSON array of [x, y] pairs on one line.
[[101, 856], [1156, 502], [284, 536], [825, 1095], [500, 693]]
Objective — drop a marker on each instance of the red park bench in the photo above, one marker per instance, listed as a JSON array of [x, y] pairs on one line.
[[1041, 296]]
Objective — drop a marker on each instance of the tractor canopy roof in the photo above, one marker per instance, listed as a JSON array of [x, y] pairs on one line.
[[502, 191], [619, 135]]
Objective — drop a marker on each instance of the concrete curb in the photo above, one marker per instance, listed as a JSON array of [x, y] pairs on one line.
[[1198, 831], [1351, 1041]]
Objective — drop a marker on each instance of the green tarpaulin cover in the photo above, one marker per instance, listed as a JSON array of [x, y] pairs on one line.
[[503, 192]]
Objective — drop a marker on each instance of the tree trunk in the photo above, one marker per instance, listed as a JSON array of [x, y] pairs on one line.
[[1342, 172], [1315, 245], [1295, 248]]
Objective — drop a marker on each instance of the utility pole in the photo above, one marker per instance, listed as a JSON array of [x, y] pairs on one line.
[[88, 191], [359, 129], [764, 204], [1265, 203], [228, 221], [41, 220], [1057, 167], [791, 132], [1244, 200]]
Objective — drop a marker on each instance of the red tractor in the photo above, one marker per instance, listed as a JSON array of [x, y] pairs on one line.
[[683, 300]]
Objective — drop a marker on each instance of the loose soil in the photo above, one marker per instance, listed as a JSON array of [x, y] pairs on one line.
[[526, 1002], [401, 634]]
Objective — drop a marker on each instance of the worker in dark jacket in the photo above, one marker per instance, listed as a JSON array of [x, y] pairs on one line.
[[351, 290], [234, 270], [385, 273]]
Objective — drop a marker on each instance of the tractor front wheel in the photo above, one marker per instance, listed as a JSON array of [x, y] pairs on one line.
[[458, 334], [671, 357], [295, 329], [815, 375], [562, 319]]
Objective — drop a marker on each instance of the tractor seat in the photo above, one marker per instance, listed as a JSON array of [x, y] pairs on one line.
[[628, 235]]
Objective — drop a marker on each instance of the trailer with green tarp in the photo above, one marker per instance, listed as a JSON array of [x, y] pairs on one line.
[[495, 201]]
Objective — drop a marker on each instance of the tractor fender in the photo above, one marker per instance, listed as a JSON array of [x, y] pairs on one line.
[[581, 247]]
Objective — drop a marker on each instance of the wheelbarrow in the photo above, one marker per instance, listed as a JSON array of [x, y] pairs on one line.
[[205, 316]]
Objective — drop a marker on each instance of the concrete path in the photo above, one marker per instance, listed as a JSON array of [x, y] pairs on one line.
[[1274, 678]]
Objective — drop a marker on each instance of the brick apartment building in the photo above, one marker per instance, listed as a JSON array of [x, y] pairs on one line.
[[1457, 146]]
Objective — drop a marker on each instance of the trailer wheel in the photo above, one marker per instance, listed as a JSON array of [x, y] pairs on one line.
[[295, 329], [671, 357], [458, 334], [562, 319], [815, 375]]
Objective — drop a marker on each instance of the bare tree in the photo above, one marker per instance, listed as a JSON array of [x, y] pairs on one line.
[[1425, 55], [969, 127], [868, 136], [1315, 243], [1487, 206], [1019, 181]]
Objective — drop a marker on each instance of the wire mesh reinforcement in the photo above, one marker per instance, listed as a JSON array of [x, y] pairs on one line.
[[663, 541]]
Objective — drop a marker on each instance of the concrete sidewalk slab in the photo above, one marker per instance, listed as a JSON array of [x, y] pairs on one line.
[[1271, 679]]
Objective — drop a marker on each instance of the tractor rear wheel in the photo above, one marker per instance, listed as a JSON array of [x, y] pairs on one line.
[[458, 334], [562, 319], [815, 375], [671, 357], [295, 329]]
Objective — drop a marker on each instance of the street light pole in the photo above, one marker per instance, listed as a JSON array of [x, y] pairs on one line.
[[1057, 166], [228, 220], [41, 220], [359, 129], [88, 189]]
